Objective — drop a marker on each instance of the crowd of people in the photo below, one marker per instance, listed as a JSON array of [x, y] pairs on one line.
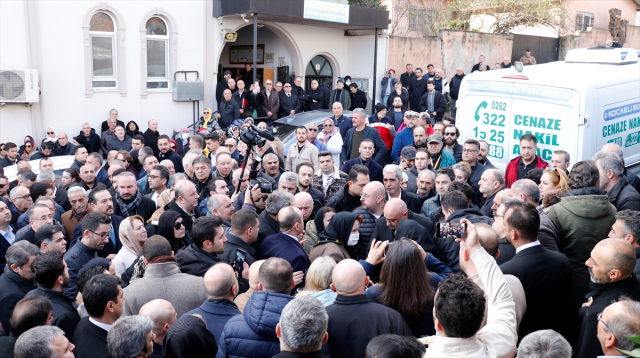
[[150, 246]]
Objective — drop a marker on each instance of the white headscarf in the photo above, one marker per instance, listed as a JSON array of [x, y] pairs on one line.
[[49, 139]]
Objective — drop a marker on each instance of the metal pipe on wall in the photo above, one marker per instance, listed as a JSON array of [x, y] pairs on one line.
[[375, 65], [255, 47]]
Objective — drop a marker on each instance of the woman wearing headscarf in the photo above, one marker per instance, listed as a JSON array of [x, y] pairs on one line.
[[132, 236], [208, 120], [330, 135], [339, 238], [28, 148], [189, 337], [132, 129], [317, 225], [51, 135], [170, 227]]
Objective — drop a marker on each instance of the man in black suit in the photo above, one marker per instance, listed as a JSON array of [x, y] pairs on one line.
[[268, 218], [28, 313], [395, 210], [289, 102], [104, 302], [392, 175], [545, 275]]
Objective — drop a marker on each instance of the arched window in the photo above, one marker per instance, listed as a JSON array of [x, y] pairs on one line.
[[102, 31], [157, 54]]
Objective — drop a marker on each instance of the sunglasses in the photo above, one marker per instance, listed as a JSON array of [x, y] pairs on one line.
[[449, 134], [27, 146], [312, 129], [551, 170], [49, 132], [178, 225], [229, 145], [205, 112], [328, 125], [3, 185]]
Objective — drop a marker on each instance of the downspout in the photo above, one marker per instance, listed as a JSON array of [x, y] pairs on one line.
[[375, 65]]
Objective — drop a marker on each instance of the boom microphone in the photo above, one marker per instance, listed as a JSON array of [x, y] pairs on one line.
[[264, 134]]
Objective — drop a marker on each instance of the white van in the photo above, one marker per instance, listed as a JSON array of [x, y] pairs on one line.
[[590, 99]]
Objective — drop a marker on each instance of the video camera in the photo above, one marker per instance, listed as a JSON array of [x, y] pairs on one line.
[[265, 187], [254, 136]]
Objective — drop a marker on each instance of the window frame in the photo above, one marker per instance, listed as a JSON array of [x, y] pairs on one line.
[[114, 54], [171, 50], [167, 59], [582, 26]]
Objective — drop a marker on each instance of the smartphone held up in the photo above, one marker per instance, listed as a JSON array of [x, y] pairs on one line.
[[451, 230]]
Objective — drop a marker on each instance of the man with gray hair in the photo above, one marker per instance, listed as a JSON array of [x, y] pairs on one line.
[[288, 182], [96, 160], [561, 160], [627, 227], [545, 343], [43, 342], [618, 322], [287, 243], [355, 135], [79, 208], [17, 280], [49, 177], [612, 180], [131, 337], [392, 175], [633, 179], [302, 328], [169, 165], [491, 182], [220, 205], [268, 218], [528, 191]]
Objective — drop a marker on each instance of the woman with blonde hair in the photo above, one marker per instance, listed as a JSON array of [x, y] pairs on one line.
[[553, 179], [318, 280], [132, 236]]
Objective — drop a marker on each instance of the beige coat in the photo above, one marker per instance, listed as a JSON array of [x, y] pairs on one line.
[[331, 249], [309, 153]]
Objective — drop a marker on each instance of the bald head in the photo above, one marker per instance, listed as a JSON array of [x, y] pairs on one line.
[[254, 274], [613, 148], [304, 202], [395, 207], [497, 200], [615, 254], [527, 190], [489, 239], [288, 217], [349, 278], [220, 282], [162, 314]]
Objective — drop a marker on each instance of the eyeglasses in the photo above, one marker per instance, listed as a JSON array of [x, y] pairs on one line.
[[449, 134], [205, 112], [328, 125], [287, 86], [469, 150], [102, 236], [229, 145], [3, 185], [178, 225], [50, 217], [606, 325], [153, 177], [26, 197], [312, 129]]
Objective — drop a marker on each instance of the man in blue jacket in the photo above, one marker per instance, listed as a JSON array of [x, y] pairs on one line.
[[228, 110], [253, 333], [355, 136], [405, 136]]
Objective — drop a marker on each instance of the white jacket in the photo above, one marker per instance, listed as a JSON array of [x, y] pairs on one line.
[[334, 146], [499, 337]]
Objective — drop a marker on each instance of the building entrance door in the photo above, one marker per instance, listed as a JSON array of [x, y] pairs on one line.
[[317, 69]]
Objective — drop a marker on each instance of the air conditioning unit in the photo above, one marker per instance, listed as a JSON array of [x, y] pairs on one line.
[[19, 86]]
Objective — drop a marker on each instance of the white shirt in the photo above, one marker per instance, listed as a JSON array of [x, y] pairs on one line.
[[526, 246], [106, 327], [325, 177], [10, 236]]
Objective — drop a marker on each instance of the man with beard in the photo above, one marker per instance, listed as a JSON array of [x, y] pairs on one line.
[[129, 201], [433, 102], [349, 197], [451, 135], [438, 157], [420, 163], [483, 155], [301, 151], [80, 154], [417, 89], [222, 85], [271, 166], [612, 180], [527, 160], [87, 176], [611, 271], [358, 134], [164, 146], [305, 181], [419, 137], [371, 209], [51, 273], [396, 111], [202, 169], [405, 136]]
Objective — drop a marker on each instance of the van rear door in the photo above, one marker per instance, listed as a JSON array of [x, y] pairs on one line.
[[619, 119], [502, 112]]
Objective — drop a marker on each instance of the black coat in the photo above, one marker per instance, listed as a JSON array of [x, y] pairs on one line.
[[356, 320], [195, 261], [404, 96], [90, 340], [187, 220], [338, 231], [546, 277], [382, 232], [450, 249], [315, 94], [303, 96], [603, 295], [91, 143], [623, 196], [109, 248], [268, 226], [6, 346], [326, 93], [62, 199], [151, 140], [230, 254], [457, 152], [253, 103], [5, 162], [220, 87], [343, 201], [146, 208], [174, 158], [507, 251], [454, 86], [105, 125], [287, 104], [439, 105], [358, 100], [13, 288], [65, 316], [417, 89], [367, 227], [229, 112], [406, 79], [412, 200]]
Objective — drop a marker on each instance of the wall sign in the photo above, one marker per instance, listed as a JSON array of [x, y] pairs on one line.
[[326, 11], [268, 57], [244, 54]]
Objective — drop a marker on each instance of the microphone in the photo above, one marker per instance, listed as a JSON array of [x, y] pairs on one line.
[[262, 133]]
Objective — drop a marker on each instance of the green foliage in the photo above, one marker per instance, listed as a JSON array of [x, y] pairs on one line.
[[373, 4], [634, 353]]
